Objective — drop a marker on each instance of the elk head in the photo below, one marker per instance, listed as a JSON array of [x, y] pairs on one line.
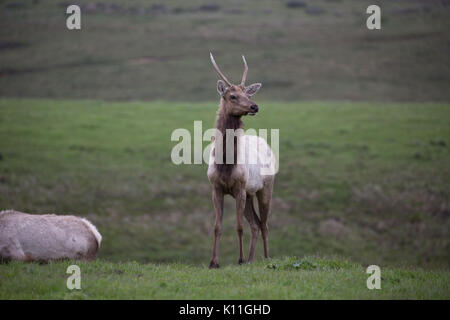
[[236, 98]]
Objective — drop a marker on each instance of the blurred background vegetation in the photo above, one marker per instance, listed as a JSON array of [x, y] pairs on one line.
[[364, 130], [147, 49]]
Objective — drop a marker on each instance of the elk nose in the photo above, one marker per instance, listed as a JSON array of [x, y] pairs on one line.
[[254, 108]]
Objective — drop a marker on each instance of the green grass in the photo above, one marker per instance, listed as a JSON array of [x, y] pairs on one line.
[[132, 54], [366, 181], [287, 278]]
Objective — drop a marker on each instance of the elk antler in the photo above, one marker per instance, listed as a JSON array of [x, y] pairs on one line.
[[218, 70], [244, 75]]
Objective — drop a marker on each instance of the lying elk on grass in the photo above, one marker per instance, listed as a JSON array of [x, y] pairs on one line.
[[32, 237], [240, 179]]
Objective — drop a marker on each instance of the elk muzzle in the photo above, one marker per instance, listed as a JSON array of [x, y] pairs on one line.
[[254, 110]]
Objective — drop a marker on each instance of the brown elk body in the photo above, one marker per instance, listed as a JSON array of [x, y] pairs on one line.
[[242, 180]]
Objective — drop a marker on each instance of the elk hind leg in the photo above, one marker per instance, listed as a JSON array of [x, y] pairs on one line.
[[264, 201], [253, 220]]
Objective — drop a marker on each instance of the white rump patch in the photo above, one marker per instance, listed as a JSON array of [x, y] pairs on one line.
[[94, 230]]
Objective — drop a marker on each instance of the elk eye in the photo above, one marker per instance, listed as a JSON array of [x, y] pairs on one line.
[[233, 97]]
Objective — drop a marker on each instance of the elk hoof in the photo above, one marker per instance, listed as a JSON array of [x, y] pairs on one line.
[[241, 261], [214, 265]]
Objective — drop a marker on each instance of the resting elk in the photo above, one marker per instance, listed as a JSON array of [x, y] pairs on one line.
[[242, 179], [46, 237]]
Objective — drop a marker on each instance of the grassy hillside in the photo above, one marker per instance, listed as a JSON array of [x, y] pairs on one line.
[[154, 49], [367, 181], [288, 278]]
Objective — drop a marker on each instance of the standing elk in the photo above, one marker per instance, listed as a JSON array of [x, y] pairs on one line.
[[33, 237], [240, 179]]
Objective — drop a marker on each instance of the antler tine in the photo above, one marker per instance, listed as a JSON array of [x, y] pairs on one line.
[[244, 75], [218, 70]]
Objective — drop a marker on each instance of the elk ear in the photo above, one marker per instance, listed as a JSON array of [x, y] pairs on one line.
[[221, 87], [252, 89]]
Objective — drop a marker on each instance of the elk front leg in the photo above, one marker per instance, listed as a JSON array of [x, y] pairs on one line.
[[240, 206], [217, 196]]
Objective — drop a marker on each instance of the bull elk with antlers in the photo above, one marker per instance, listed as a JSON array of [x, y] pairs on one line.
[[242, 180]]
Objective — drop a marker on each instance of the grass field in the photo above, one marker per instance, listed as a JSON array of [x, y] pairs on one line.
[[154, 49], [287, 278], [366, 181]]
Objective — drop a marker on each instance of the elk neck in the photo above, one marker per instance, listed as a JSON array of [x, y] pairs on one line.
[[226, 121]]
